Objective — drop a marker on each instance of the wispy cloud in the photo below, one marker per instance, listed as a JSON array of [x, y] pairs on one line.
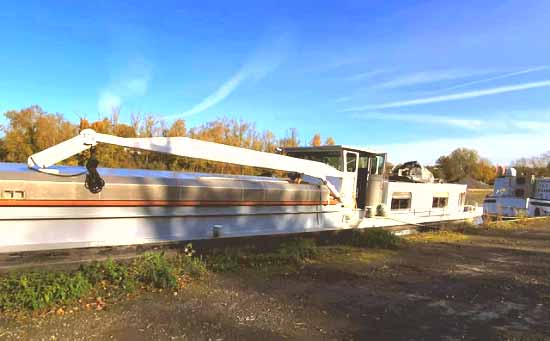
[[502, 76], [471, 124], [503, 123], [217, 96], [453, 97], [265, 60], [425, 77], [129, 83]]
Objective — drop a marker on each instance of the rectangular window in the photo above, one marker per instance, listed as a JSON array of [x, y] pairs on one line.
[[440, 202], [351, 162], [401, 201], [380, 163]]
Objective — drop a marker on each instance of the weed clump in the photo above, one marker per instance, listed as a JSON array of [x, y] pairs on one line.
[[298, 251], [155, 270], [43, 289], [374, 238], [117, 275], [37, 290]]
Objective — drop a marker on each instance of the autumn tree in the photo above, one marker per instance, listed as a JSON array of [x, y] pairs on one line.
[[31, 130], [330, 141], [460, 163], [176, 129], [486, 171], [538, 165], [463, 162], [291, 139], [315, 140], [3, 151]]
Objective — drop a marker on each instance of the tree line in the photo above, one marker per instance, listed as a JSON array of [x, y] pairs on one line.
[[463, 163], [31, 130]]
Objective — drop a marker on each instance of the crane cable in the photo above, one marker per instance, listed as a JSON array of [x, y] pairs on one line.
[[93, 182]]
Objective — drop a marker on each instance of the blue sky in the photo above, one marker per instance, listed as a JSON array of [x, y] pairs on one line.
[[416, 79]]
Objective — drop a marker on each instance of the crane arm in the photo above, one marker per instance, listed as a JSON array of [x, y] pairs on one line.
[[188, 147]]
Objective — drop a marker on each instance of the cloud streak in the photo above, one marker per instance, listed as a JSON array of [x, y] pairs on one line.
[[264, 61], [503, 76], [503, 122], [426, 77], [470, 124], [454, 97]]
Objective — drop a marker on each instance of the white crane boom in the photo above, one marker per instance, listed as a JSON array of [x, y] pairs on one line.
[[188, 147]]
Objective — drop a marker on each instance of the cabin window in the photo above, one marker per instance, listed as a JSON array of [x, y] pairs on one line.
[[363, 162], [351, 162], [380, 163], [401, 200], [333, 159], [440, 200]]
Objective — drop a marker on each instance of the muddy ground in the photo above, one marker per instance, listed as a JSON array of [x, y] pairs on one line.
[[482, 284]]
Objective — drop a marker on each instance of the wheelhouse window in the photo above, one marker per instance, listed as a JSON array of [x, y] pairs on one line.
[[351, 162], [380, 162], [376, 164], [401, 200], [440, 200], [332, 158]]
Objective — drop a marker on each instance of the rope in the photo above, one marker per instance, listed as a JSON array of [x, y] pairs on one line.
[[94, 183]]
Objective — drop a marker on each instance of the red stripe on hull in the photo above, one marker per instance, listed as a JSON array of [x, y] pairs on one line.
[[143, 203]]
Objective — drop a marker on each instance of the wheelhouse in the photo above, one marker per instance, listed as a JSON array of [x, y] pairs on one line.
[[363, 169]]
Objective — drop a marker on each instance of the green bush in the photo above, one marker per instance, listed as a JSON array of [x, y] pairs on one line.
[[155, 269], [36, 290], [193, 266], [117, 274], [374, 238], [298, 250]]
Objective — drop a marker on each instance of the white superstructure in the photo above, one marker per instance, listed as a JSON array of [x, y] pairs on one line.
[[518, 195]]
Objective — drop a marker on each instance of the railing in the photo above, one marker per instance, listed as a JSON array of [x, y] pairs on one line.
[[439, 212]]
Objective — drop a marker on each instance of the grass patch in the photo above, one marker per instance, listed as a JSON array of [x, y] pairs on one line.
[[292, 253], [438, 237], [376, 238], [497, 223], [346, 256], [476, 196], [39, 290], [45, 289]]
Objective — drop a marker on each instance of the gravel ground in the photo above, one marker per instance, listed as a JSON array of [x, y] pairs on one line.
[[486, 284]]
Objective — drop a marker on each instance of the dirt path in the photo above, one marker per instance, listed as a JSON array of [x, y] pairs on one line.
[[492, 284]]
